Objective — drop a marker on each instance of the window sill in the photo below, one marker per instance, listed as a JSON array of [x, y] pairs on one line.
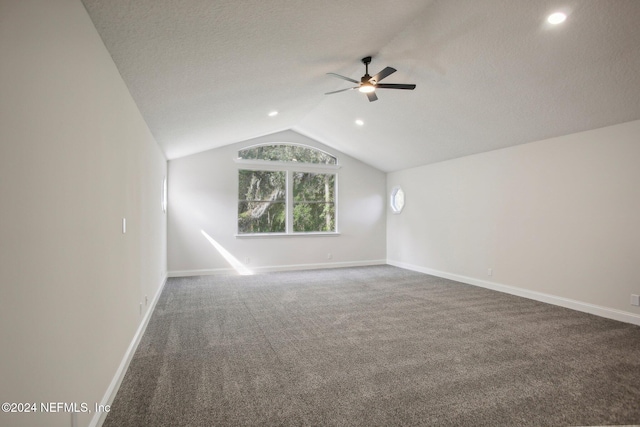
[[267, 235]]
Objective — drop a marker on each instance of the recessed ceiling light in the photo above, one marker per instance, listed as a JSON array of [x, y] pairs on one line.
[[556, 18], [273, 114], [359, 122]]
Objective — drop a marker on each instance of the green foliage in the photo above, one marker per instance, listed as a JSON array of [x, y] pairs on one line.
[[271, 220], [262, 202], [287, 153], [310, 217], [313, 195], [261, 197]]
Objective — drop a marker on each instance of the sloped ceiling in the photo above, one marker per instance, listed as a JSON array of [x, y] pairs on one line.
[[489, 73]]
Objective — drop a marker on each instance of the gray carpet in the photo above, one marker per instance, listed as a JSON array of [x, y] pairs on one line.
[[373, 346]]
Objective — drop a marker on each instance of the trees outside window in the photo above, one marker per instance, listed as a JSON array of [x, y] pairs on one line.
[[261, 202], [287, 153], [313, 202], [286, 188]]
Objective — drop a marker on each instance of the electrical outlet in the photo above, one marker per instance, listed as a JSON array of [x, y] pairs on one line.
[[490, 272], [247, 260], [140, 308], [635, 299], [329, 255], [124, 225]]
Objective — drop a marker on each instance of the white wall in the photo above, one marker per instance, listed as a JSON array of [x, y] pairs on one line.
[[75, 158], [203, 194], [556, 220]]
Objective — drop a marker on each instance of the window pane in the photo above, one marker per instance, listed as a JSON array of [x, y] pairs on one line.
[[317, 187], [261, 185], [261, 217], [397, 200], [308, 217], [287, 153], [261, 202], [314, 202]]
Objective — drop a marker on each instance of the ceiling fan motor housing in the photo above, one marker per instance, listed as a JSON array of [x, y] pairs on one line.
[[369, 84]]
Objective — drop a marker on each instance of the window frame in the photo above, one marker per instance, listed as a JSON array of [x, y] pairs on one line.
[[393, 202], [284, 162], [289, 168], [291, 185], [285, 200], [164, 197]]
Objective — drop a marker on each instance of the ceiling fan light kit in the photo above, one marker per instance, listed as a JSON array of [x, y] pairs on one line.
[[368, 84], [367, 88]]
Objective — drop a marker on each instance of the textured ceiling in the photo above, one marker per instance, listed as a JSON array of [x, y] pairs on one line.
[[489, 73]]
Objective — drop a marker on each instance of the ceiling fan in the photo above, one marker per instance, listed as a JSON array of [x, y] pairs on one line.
[[368, 84]]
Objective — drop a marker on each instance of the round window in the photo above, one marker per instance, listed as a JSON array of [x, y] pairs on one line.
[[397, 200]]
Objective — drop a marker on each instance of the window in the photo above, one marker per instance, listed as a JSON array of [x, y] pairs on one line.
[[164, 194], [261, 202], [313, 202], [397, 200], [286, 189], [287, 153]]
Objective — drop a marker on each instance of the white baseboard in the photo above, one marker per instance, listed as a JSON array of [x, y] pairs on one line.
[[217, 271], [609, 313], [202, 272], [110, 394]]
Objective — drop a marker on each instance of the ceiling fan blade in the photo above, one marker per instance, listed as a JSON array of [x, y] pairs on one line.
[[343, 77], [395, 86], [382, 74], [341, 90], [372, 96]]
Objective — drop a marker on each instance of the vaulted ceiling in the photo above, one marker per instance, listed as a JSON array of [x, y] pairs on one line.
[[489, 73]]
